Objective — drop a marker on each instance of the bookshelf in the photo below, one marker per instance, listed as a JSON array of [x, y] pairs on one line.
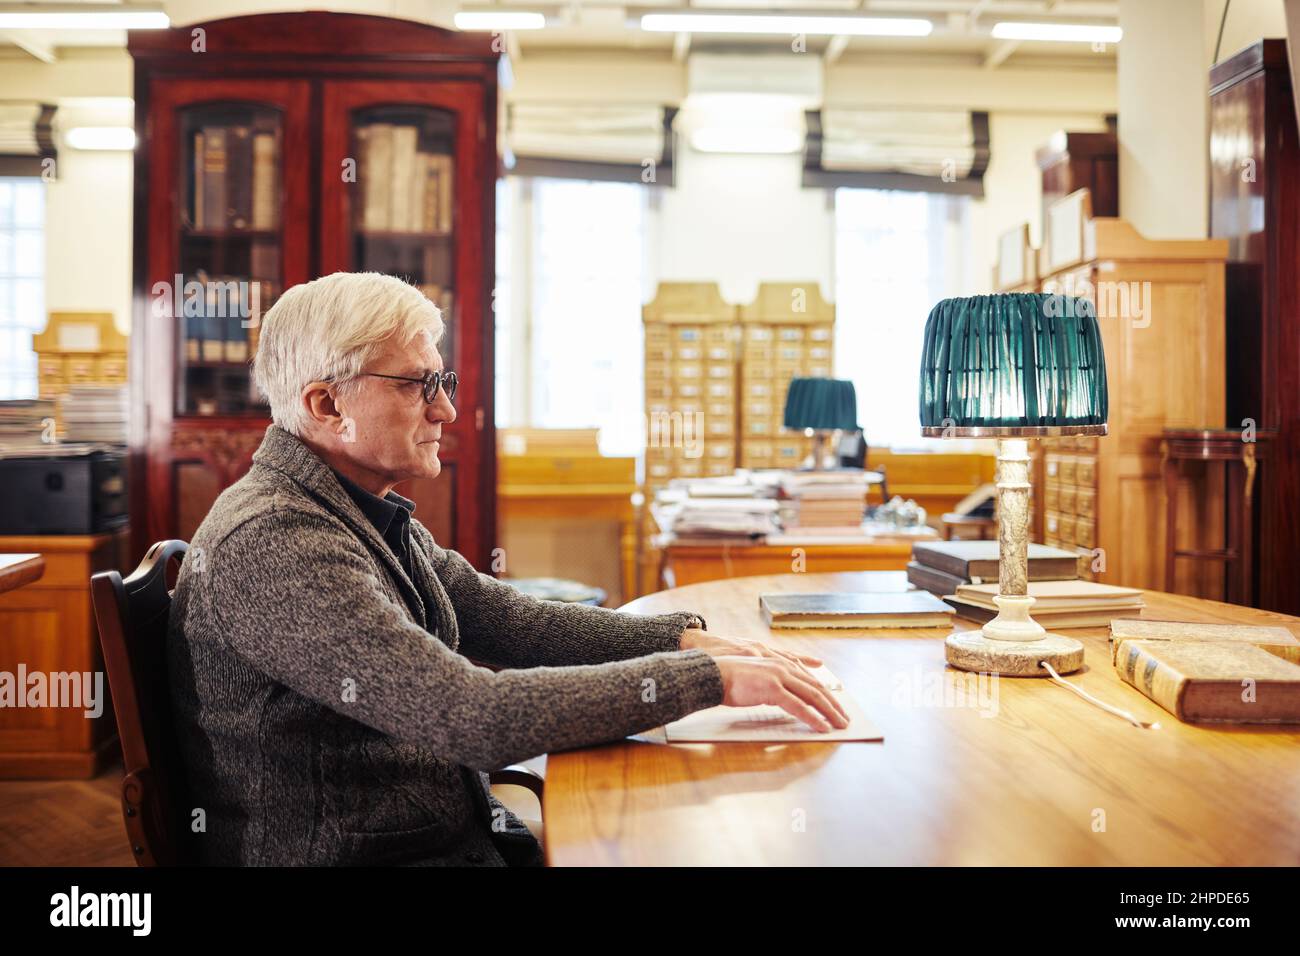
[[297, 145]]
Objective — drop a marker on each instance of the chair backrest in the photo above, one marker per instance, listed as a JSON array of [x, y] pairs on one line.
[[132, 617]]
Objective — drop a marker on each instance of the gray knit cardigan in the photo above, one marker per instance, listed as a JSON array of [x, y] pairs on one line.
[[323, 721]]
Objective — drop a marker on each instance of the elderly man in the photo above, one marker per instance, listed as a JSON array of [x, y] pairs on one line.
[[323, 645]]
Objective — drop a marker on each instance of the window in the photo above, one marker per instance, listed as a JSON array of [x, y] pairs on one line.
[[896, 255], [22, 283], [575, 268]]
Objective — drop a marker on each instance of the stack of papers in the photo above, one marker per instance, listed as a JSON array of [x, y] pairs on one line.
[[768, 723], [22, 424]]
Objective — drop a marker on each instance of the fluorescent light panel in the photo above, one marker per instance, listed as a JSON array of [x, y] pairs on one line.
[[747, 139], [1057, 32], [120, 18], [499, 20], [785, 25], [100, 137]]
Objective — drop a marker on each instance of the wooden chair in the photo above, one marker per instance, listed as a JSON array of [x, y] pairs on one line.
[[132, 617]]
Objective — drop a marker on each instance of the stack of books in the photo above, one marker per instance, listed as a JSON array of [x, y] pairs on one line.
[[1057, 604], [404, 188], [1230, 673], [965, 574], [941, 567], [95, 413], [824, 499]]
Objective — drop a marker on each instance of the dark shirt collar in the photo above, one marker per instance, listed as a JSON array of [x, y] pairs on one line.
[[380, 512]]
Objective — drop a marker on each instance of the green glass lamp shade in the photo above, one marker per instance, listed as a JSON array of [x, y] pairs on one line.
[[1021, 362], [824, 404]]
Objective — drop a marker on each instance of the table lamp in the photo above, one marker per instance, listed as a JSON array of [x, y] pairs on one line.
[[1013, 366], [821, 406]]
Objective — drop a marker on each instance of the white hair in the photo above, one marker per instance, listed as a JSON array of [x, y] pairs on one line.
[[328, 329]]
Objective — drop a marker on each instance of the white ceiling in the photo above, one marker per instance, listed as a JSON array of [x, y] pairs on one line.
[[589, 26]]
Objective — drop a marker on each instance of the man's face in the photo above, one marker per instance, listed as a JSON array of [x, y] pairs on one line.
[[389, 430]]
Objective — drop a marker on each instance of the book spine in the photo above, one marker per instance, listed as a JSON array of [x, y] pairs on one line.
[[415, 194], [193, 336], [444, 194], [214, 177], [239, 189], [940, 561], [429, 210], [1158, 681], [399, 183], [264, 184], [936, 582], [378, 215], [197, 221]]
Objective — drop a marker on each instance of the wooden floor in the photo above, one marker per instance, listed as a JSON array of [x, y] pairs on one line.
[[79, 822], [63, 822]]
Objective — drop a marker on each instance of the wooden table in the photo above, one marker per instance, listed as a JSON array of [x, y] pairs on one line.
[[19, 569], [1048, 780]]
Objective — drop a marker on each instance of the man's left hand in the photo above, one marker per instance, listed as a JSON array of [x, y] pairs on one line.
[[716, 646]]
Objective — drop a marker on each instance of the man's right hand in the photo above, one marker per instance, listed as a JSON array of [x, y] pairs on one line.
[[747, 681]]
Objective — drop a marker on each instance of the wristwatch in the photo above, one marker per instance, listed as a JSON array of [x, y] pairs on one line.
[[694, 620]]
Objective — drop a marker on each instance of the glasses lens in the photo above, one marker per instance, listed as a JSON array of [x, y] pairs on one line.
[[444, 380]]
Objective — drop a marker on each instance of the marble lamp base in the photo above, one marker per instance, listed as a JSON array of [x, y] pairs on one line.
[[972, 651]]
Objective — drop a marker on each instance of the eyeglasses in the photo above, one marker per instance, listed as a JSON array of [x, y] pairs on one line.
[[432, 381]]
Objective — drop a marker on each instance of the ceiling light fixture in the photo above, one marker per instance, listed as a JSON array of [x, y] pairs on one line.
[[747, 139], [101, 137], [82, 17], [489, 20], [785, 25], [1057, 32]]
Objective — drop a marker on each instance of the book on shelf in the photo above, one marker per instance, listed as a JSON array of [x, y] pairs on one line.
[[265, 187], [1213, 681], [211, 186], [855, 610], [977, 561], [239, 186], [406, 139]]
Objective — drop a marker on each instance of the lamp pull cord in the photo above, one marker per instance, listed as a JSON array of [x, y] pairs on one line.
[[1093, 700]]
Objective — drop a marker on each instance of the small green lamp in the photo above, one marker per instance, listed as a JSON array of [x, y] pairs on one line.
[[1013, 366], [821, 406]]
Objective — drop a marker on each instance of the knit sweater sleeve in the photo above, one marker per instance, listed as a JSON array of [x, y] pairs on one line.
[[295, 596], [503, 627]]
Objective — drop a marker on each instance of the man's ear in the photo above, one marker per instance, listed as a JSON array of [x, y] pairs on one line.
[[321, 407]]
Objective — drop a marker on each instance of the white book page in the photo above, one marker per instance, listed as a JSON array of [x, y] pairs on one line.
[[768, 723]]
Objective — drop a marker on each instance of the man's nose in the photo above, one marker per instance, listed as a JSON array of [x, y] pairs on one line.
[[441, 409]]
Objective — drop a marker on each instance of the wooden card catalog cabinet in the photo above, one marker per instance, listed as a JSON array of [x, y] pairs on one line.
[[786, 332], [79, 348], [1160, 305], [690, 383]]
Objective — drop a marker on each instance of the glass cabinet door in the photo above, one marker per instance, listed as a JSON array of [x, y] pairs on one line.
[[229, 261], [407, 191]]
